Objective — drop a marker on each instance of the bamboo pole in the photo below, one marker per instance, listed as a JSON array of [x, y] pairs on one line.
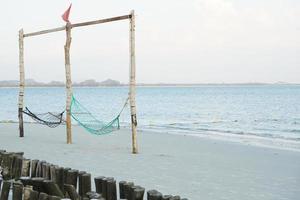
[[22, 83], [68, 83], [132, 85]]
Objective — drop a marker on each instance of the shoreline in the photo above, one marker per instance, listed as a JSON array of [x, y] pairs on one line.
[[243, 139], [212, 169]]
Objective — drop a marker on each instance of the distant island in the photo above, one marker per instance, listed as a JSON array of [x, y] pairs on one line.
[[115, 83], [86, 83]]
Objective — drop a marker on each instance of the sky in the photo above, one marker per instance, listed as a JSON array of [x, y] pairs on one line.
[[195, 41]]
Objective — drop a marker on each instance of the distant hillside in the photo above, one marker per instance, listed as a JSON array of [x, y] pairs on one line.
[[86, 83], [11, 83], [112, 83]]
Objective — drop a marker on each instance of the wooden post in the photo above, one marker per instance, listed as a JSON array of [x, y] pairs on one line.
[[5, 190], [17, 191], [26, 167], [86, 184], [72, 176], [154, 195], [132, 85], [68, 83], [34, 164], [22, 82]]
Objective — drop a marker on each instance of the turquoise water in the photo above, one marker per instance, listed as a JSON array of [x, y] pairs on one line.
[[270, 111]]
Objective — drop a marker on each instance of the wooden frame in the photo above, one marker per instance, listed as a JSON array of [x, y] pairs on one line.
[[68, 27]]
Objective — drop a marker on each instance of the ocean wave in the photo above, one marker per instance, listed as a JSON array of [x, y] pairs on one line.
[[267, 140], [263, 132]]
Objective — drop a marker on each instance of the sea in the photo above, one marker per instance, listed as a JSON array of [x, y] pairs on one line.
[[260, 114]]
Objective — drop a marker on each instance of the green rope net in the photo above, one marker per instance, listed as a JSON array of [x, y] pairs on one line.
[[90, 122]]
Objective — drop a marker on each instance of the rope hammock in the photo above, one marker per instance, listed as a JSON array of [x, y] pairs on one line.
[[89, 122], [49, 119]]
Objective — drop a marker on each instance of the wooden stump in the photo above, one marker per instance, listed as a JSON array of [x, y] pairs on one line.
[[86, 184], [16, 169], [71, 191], [59, 173], [39, 169], [72, 176], [111, 193], [122, 189], [27, 191], [17, 191], [5, 190], [127, 189], [154, 195], [34, 164], [80, 182], [52, 188], [7, 160], [66, 169], [26, 167], [104, 188], [98, 183], [137, 193], [46, 170]]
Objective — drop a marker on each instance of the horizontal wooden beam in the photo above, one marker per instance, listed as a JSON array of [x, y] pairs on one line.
[[100, 21], [45, 31]]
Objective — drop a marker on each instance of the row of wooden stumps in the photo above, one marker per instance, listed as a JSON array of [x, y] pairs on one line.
[[40, 180], [68, 27]]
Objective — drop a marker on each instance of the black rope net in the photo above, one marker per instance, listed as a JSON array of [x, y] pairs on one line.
[[50, 119]]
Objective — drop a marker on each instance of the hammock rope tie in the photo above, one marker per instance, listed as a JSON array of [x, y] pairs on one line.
[[89, 122], [49, 119]]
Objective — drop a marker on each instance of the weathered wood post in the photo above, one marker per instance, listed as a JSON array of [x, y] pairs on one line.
[[98, 184], [132, 84], [22, 83], [127, 188], [5, 190], [26, 167], [72, 176], [122, 189], [111, 192], [154, 195], [34, 164], [70, 189], [86, 184], [80, 190], [17, 191], [68, 83], [26, 193]]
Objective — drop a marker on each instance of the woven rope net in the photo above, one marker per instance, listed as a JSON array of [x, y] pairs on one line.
[[90, 122]]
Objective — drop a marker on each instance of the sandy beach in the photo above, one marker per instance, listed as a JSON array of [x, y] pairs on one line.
[[195, 168]]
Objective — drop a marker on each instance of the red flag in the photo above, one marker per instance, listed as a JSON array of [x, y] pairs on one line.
[[66, 14]]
